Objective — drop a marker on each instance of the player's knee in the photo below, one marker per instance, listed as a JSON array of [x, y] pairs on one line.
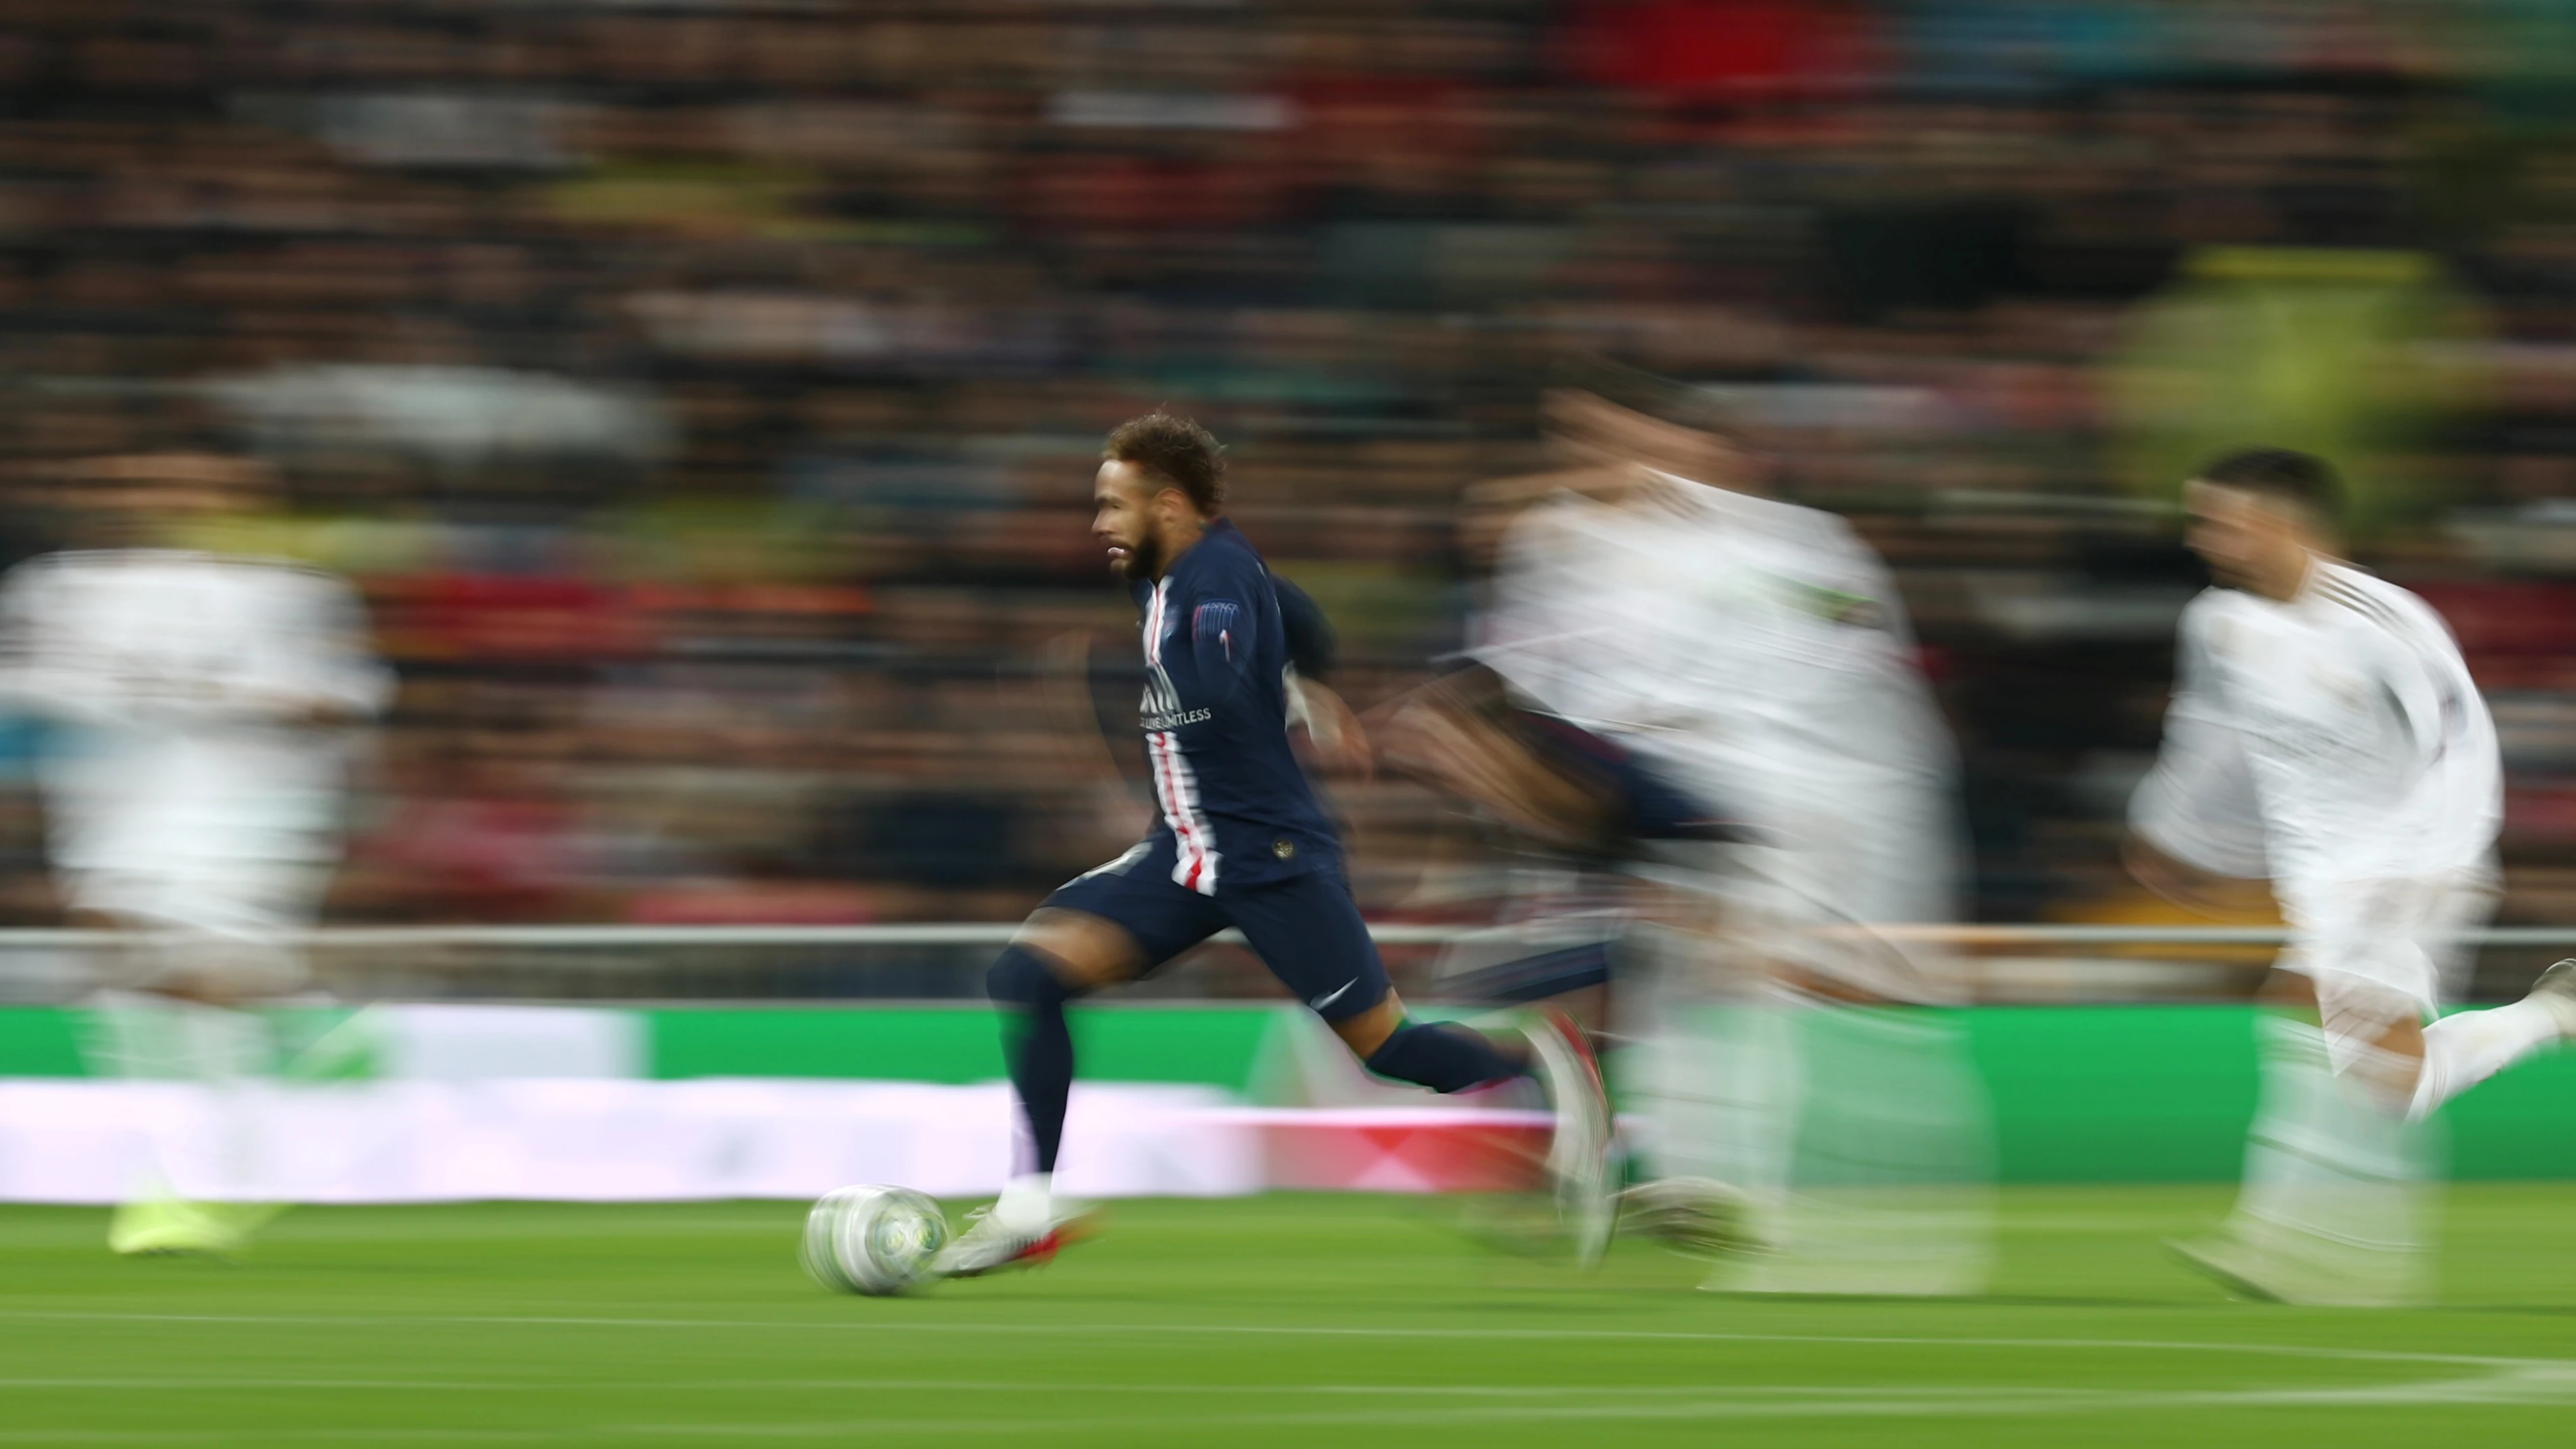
[[1083, 951], [1023, 977]]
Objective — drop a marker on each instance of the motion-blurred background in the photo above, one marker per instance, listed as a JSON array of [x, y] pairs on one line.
[[705, 395]]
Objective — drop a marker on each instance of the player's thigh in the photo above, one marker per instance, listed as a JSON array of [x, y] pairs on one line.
[[2371, 952], [2422, 925], [2451, 909], [2364, 939], [1307, 930], [1120, 921]]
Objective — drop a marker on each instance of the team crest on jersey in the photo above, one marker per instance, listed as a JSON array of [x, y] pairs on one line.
[[1837, 607]]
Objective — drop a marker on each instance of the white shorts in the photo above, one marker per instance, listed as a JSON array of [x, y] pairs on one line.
[[2380, 950], [213, 924], [1811, 890]]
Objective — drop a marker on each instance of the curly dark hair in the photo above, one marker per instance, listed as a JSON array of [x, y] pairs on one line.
[[1175, 450]]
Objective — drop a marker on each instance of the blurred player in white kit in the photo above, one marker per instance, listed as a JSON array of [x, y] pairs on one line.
[[1754, 655], [2325, 735], [202, 707]]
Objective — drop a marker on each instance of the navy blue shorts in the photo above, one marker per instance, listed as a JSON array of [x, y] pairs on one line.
[[1306, 929]]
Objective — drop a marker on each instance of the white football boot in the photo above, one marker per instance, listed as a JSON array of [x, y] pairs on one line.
[[1578, 1150], [2556, 989], [1696, 1215], [989, 1245]]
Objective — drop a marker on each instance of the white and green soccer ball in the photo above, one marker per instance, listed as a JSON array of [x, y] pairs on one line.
[[872, 1240]]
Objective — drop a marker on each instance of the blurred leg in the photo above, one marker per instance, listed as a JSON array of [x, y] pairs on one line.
[[204, 1169], [2465, 1048], [1308, 931], [1855, 1128], [1059, 954], [2338, 1198]]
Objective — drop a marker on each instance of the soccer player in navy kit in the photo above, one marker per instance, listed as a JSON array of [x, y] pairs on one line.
[[1241, 843]]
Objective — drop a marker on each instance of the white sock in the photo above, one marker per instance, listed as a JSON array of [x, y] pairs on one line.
[[1719, 1087], [2466, 1048], [1026, 1202], [1889, 1190], [217, 1155], [2331, 1180]]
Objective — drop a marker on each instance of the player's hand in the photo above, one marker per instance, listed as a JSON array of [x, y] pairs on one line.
[[1341, 746], [323, 714], [1445, 734]]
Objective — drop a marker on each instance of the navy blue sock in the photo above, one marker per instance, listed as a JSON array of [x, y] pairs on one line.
[[1443, 1056], [1037, 1044]]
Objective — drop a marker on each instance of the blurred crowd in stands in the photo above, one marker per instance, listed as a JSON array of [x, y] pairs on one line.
[[705, 395]]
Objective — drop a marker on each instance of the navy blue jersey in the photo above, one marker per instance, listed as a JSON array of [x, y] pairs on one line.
[[1312, 645], [1215, 714]]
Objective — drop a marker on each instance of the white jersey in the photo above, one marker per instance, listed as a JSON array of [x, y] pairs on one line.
[[1758, 653], [183, 784], [2338, 733]]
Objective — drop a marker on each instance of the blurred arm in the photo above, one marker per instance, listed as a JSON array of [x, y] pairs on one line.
[[317, 667], [42, 670], [1340, 745], [1312, 646], [2197, 836], [2423, 682]]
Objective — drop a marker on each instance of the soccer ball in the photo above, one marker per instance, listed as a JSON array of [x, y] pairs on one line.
[[872, 1240]]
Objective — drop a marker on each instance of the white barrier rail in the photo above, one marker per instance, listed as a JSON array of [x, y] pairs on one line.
[[979, 933]]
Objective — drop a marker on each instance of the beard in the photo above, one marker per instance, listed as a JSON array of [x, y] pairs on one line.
[[1144, 560]]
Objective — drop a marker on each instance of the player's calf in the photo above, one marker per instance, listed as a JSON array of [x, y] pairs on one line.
[[1037, 1042], [2465, 1048], [1552, 1050], [1059, 956], [1445, 1057]]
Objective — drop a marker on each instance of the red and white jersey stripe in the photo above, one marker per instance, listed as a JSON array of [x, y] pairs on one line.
[[1176, 786]]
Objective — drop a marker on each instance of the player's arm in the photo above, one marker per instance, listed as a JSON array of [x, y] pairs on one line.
[[2423, 683], [2196, 835], [39, 673], [349, 681], [1224, 634], [1331, 727], [318, 666]]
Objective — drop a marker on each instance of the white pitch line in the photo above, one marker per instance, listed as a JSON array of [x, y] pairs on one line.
[[1543, 1335], [1835, 1404], [190, 1386], [264, 1436], [983, 1386], [2499, 1389]]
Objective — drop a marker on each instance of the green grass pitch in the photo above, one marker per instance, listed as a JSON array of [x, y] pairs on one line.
[[1287, 1320]]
